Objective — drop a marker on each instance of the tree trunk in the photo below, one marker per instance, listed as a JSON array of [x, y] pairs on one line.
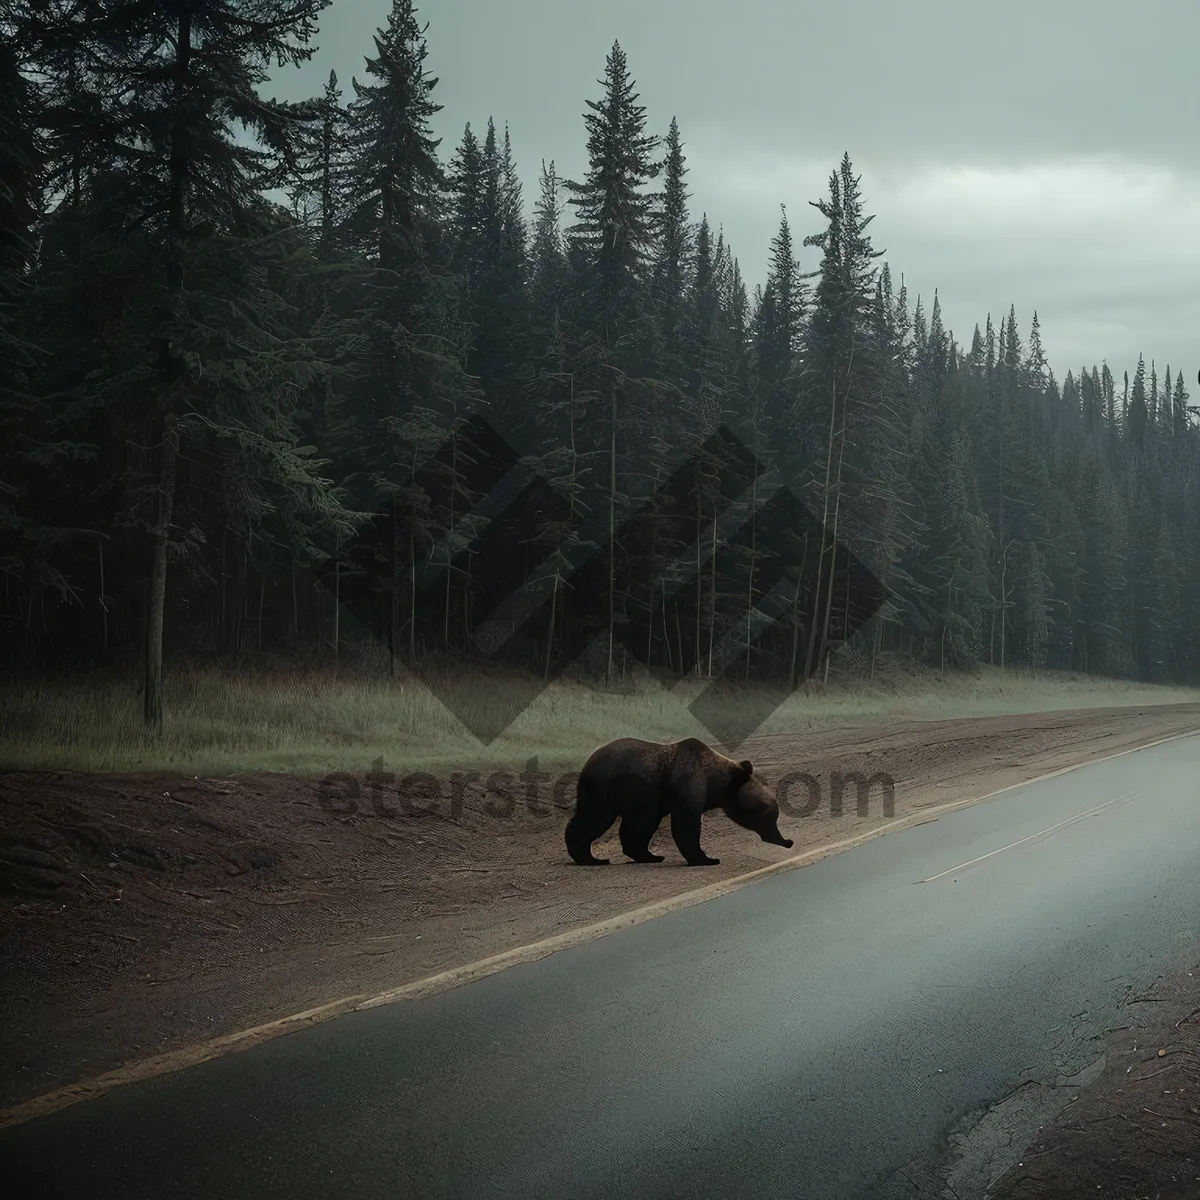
[[412, 598], [796, 617], [649, 625], [679, 636], [753, 549], [170, 368], [103, 603], [337, 603], [233, 630], [712, 594], [450, 557], [697, 629], [295, 605], [262, 596], [550, 627], [612, 520], [394, 595], [666, 631], [837, 506], [812, 632], [152, 708]]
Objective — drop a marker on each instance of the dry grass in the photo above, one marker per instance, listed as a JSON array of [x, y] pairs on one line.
[[310, 719]]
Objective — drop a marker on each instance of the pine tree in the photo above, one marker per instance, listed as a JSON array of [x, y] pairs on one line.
[[672, 263], [777, 340], [842, 379], [548, 260], [614, 232], [491, 258], [21, 166], [1139, 414], [413, 390], [318, 192], [467, 185], [195, 376], [977, 353], [611, 245], [1035, 363], [173, 174], [1179, 408]]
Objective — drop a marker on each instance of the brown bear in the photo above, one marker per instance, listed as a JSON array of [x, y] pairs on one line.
[[642, 782]]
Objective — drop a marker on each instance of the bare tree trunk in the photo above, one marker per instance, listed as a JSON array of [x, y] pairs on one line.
[[103, 604], [712, 594], [679, 636], [222, 633], [846, 606], [412, 566], [394, 598], [412, 597], [812, 632], [837, 506], [550, 627], [1001, 537], [699, 579], [666, 631], [1133, 641], [612, 520], [453, 477], [152, 709], [753, 551], [237, 610], [170, 368], [650, 626], [796, 617]]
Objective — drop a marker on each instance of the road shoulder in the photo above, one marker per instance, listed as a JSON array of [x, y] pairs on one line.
[[153, 914]]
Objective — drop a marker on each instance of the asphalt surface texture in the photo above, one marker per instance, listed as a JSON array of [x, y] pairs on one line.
[[828, 1032]]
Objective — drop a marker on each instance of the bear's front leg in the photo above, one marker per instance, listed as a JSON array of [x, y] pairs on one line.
[[637, 828], [685, 829]]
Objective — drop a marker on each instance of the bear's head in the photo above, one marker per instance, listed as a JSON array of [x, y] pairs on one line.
[[752, 804]]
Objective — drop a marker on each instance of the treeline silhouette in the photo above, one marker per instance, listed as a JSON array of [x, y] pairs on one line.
[[243, 342]]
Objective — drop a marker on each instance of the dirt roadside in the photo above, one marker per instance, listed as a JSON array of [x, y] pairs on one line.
[[1133, 1133], [139, 913]]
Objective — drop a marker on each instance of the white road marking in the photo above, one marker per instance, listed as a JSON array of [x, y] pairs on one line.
[[1061, 825]]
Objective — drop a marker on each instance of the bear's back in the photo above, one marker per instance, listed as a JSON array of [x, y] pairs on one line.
[[630, 756]]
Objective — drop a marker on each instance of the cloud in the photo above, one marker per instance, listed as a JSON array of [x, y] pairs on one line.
[[1106, 248], [1009, 155]]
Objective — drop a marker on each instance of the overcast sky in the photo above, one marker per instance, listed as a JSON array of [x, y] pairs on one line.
[[1040, 153]]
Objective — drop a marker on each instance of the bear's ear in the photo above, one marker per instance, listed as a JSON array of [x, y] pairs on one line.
[[747, 766]]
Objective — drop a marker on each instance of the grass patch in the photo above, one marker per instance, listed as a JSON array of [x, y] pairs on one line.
[[310, 719]]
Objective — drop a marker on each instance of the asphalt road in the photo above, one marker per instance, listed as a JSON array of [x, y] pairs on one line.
[[814, 1035]]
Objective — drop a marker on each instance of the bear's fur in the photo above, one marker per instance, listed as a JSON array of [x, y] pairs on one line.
[[643, 782]]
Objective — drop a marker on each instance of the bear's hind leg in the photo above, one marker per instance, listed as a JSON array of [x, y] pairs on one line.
[[636, 831], [592, 819]]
